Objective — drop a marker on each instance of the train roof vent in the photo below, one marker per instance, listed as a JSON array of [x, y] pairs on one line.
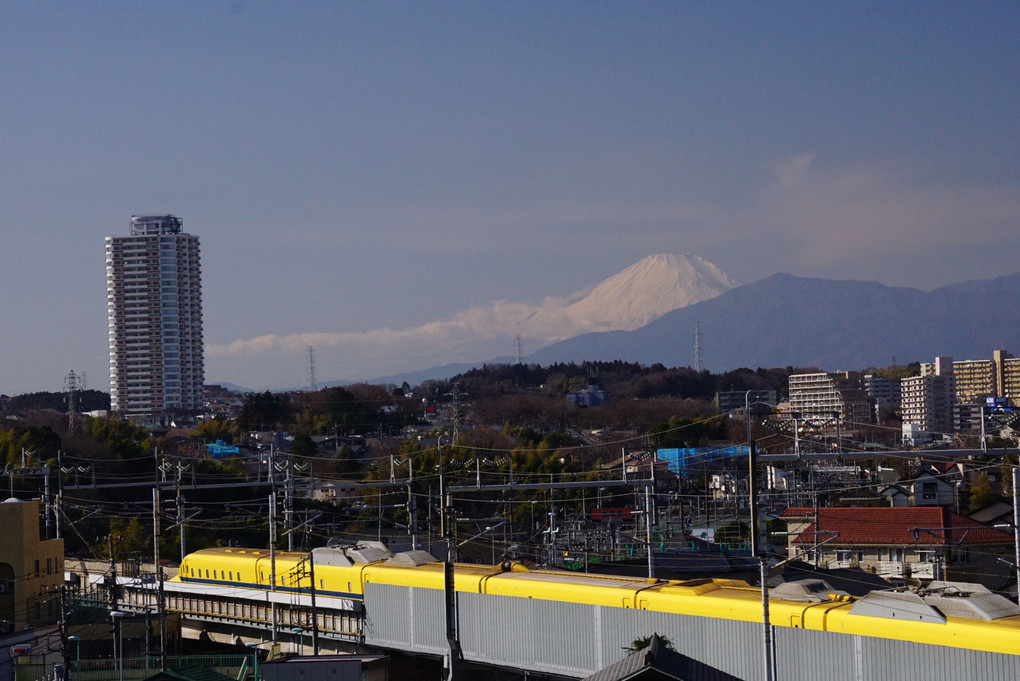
[[969, 601], [412, 559], [368, 554], [369, 544], [897, 605], [807, 591], [330, 556]]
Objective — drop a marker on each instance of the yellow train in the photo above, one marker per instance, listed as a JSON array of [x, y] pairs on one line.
[[950, 614]]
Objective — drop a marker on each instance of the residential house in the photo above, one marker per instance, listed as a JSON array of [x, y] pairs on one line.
[[897, 496], [917, 542], [931, 490], [338, 492]]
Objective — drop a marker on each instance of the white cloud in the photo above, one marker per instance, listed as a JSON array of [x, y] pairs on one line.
[[789, 170]]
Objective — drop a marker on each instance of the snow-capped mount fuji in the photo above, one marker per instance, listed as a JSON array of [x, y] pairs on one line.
[[649, 289], [631, 299]]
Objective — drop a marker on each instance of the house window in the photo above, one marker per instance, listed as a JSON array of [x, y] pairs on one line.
[[849, 555], [891, 554], [959, 554], [36, 568], [926, 556], [929, 490]]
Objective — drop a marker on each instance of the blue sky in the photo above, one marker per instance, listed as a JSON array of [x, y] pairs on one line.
[[352, 167]]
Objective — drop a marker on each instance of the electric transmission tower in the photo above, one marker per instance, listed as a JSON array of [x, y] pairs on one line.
[[699, 359], [72, 386], [311, 369], [519, 349], [457, 395]]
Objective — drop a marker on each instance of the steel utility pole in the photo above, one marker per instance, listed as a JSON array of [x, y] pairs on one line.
[[1016, 526], [272, 561], [756, 549], [158, 576]]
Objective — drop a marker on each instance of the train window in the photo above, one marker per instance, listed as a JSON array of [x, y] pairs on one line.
[[207, 574], [214, 575], [322, 584], [231, 575], [192, 572]]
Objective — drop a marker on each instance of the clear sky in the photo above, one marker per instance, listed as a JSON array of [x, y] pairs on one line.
[[352, 167]]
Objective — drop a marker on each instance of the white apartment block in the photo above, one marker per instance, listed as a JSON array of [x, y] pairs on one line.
[[154, 311], [823, 395], [927, 400]]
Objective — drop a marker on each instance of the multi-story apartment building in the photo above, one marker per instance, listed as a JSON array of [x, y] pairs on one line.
[[882, 390], [761, 401], [154, 310], [823, 395], [976, 379], [927, 400], [1008, 378]]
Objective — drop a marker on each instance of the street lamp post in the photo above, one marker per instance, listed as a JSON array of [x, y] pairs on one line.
[[77, 646]]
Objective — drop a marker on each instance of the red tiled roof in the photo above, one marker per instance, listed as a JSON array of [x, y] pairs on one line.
[[884, 526]]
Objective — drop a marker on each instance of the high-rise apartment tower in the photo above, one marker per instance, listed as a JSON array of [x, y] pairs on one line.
[[154, 310]]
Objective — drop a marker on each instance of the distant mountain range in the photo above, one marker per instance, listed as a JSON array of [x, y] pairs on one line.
[[835, 325]]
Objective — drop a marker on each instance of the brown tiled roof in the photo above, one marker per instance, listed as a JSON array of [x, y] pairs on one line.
[[921, 525]]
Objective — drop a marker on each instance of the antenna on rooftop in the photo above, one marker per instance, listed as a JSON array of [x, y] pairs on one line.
[[699, 360], [311, 369]]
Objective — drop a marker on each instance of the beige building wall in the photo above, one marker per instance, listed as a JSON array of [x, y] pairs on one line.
[[975, 379], [31, 569], [1011, 378]]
